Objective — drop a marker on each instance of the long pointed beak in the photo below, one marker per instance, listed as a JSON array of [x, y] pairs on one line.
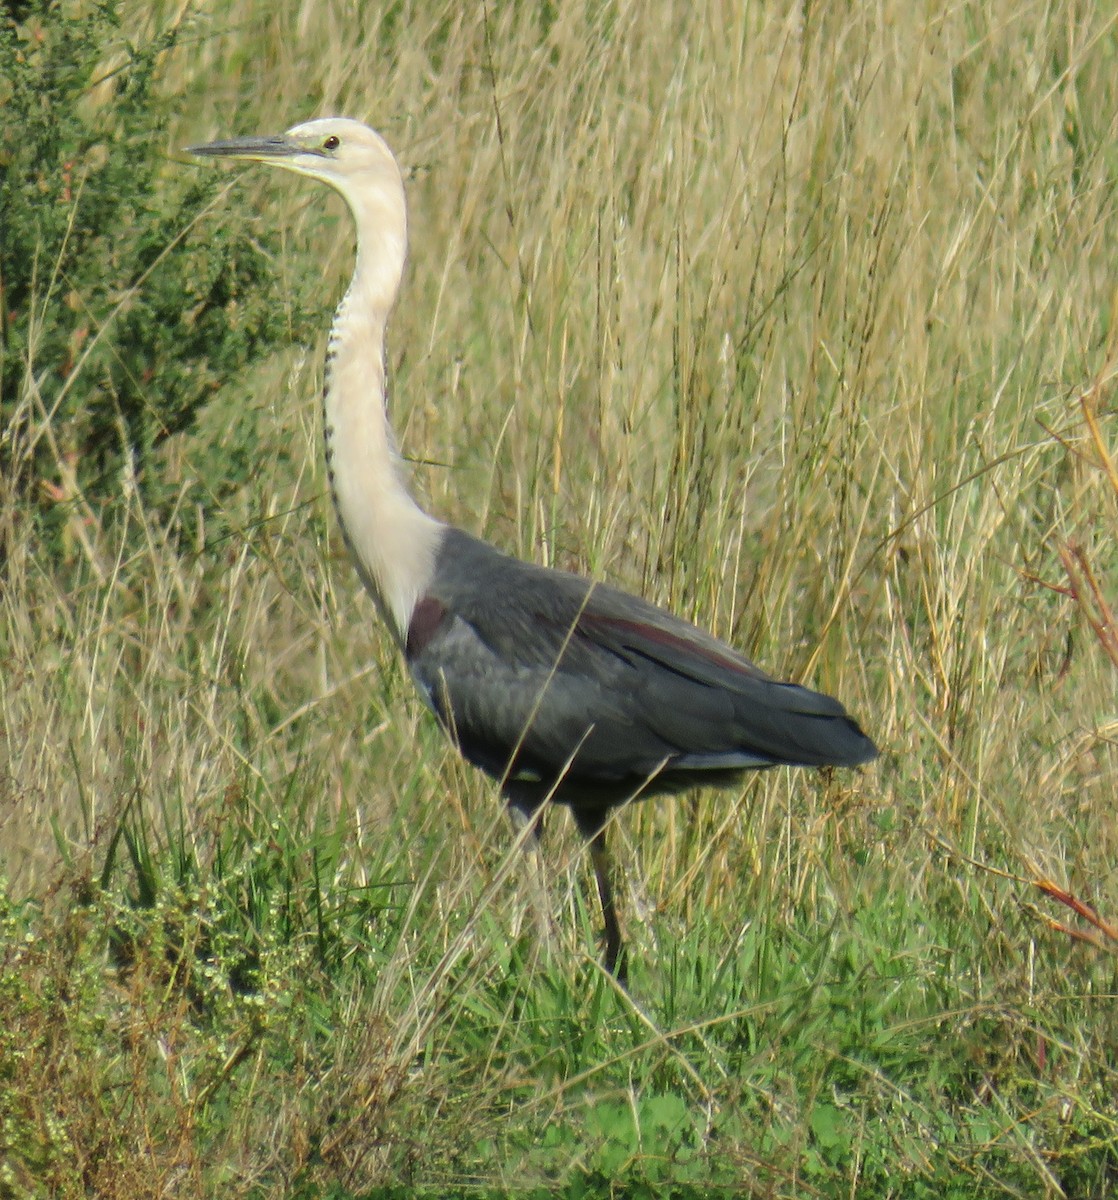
[[252, 149]]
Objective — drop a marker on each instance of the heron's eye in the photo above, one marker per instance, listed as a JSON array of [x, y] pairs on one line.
[[332, 142]]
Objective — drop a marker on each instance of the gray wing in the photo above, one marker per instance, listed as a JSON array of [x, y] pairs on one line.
[[547, 674]]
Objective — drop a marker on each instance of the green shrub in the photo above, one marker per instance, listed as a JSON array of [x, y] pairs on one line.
[[119, 319]]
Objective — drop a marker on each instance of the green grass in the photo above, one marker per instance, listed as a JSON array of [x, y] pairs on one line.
[[802, 324]]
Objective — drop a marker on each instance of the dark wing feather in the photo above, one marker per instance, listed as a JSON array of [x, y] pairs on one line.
[[545, 674], [774, 721]]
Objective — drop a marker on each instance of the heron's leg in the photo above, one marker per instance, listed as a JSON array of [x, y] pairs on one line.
[[529, 815], [592, 825], [524, 815]]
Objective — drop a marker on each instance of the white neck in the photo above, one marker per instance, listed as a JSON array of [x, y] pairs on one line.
[[392, 539]]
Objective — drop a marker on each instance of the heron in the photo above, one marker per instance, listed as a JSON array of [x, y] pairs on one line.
[[561, 688]]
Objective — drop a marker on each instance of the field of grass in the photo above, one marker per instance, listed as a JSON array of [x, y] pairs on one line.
[[799, 322]]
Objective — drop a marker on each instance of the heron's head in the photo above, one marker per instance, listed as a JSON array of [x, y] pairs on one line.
[[349, 156]]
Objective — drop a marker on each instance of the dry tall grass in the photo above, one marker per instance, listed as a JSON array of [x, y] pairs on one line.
[[801, 323]]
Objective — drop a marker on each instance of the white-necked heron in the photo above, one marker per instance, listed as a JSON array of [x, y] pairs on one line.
[[560, 688]]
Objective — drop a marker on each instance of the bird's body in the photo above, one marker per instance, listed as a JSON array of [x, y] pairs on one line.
[[562, 689], [555, 684]]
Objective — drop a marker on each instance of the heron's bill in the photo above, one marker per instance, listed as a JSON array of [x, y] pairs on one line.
[[252, 149]]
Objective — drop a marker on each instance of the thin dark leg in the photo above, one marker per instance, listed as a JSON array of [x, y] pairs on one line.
[[592, 825], [616, 959]]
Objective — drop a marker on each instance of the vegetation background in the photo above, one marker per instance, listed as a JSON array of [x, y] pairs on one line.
[[798, 319]]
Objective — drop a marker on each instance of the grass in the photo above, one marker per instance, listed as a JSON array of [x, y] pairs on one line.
[[802, 324]]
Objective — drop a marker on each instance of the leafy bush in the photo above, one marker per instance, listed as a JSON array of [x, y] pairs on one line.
[[118, 320]]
